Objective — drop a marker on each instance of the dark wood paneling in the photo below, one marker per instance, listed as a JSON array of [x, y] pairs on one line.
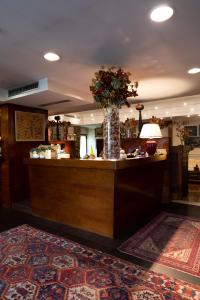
[[79, 197], [138, 195], [104, 197], [13, 172], [179, 171]]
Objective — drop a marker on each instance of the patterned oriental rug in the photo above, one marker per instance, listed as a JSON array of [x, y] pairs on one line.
[[39, 265], [170, 240]]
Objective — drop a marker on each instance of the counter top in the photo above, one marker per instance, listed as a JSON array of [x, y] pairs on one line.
[[95, 163]]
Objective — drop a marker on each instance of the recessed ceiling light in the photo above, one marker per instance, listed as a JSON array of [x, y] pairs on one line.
[[192, 109], [185, 104], [161, 13], [194, 71], [51, 56], [91, 115], [156, 107], [188, 116]]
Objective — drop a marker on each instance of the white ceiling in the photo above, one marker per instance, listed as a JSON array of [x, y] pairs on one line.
[[90, 33]]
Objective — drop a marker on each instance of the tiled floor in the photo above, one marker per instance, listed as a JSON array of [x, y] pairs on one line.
[[11, 217]]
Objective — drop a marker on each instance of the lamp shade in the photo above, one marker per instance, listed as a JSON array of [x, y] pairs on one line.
[[150, 131]]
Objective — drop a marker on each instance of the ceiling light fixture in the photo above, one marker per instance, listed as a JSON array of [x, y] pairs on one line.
[[51, 56], [161, 13], [194, 71], [185, 104]]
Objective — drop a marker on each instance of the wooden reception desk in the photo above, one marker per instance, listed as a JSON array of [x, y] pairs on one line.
[[105, 197]]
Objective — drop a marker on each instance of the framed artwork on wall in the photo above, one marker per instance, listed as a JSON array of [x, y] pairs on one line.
[[29, 126], [192, 130]]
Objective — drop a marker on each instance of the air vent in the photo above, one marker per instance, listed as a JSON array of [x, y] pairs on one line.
[[23, 89], [54, 103]]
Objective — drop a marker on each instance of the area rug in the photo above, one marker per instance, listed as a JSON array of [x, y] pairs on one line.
[[170, 240], [38, 265]]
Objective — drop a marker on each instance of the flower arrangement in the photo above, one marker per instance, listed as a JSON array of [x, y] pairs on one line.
[[161, 122], [130, 123], [182, 133], [112, 86]]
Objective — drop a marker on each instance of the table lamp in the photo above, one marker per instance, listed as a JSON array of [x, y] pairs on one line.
[[151, 131]]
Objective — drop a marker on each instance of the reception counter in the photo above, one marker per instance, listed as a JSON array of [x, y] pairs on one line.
[[104, 197]]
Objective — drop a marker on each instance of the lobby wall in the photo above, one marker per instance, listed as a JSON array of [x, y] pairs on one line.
[[13, 172]]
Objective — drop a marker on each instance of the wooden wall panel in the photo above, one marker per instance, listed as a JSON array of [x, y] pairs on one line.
[[14, 184], [105, 197], [83, 198], [138, 195]]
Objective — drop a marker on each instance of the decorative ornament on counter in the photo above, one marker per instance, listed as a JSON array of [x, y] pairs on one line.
[[137, 152], [110, 88], [92, 155]]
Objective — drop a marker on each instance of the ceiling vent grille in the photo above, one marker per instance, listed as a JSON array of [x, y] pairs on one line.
[[23, 89]]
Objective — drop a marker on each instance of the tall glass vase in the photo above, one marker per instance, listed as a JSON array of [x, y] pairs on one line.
[[111, 133]]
